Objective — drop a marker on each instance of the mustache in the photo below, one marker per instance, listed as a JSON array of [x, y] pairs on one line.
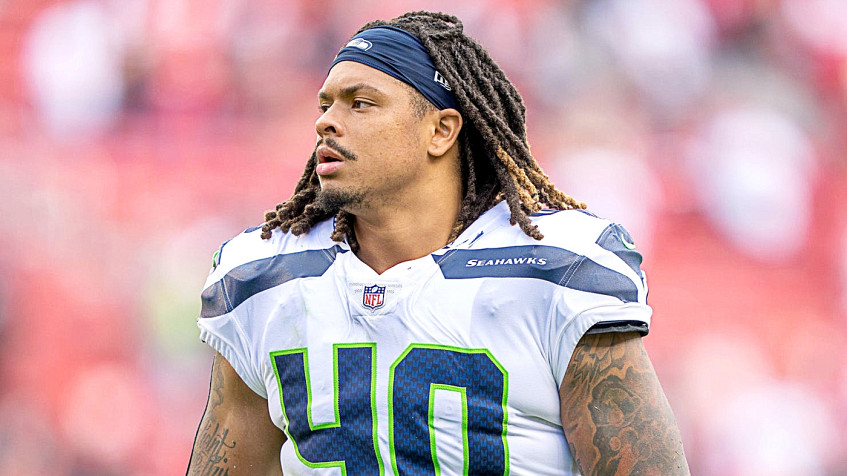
[[329, 142]]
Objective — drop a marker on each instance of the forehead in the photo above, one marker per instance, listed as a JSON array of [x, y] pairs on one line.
[[348, 73]]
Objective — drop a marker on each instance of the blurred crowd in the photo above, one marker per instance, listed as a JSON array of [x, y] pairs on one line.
[[138, 135]]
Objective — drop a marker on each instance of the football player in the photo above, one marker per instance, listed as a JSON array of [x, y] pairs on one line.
[[427, 301]]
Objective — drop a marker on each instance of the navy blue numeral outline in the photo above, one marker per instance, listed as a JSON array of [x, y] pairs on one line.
[[434, 387], [337, 422]]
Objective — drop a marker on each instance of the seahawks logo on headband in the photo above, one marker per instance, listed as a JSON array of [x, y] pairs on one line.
[[360, 43]]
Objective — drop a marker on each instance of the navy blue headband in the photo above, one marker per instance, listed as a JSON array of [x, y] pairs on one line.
[[400, 54]]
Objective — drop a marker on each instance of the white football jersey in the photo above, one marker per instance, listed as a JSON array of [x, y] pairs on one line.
[[446, 364]]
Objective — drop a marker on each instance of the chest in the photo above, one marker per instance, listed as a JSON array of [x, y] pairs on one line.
[[408, 371]]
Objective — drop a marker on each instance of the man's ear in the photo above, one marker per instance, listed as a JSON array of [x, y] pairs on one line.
[[448, 124]]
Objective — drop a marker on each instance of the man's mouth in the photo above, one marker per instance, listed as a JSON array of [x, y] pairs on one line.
[[326, 155], [329, 160]]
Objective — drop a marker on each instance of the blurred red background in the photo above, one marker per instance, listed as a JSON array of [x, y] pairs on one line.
[[137, 135]]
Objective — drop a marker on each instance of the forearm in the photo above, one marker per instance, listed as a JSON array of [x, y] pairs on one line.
[[213, 450], [236, 436], [615, 415]]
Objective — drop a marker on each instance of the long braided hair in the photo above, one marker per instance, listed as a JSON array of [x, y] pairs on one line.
[[494, 152]]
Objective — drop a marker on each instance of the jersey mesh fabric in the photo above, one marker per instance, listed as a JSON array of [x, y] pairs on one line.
[[467, 346]]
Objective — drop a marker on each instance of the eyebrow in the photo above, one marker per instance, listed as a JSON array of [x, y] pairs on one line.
[[351, 90]]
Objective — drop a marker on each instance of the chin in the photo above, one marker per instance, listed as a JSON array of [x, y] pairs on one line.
[[333, 199]]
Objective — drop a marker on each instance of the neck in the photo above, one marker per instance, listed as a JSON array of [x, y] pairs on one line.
[[402, 230]]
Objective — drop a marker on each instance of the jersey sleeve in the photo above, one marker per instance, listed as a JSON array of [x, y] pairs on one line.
[[605, 290], [225, 327]]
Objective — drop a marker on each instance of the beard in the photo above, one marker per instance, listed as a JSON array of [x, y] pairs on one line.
[[331, 201]]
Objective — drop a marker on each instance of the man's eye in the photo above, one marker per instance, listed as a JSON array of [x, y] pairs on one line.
[[358, 104], [323, 108]]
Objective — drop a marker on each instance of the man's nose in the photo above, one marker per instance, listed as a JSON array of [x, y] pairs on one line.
[[328, 123]]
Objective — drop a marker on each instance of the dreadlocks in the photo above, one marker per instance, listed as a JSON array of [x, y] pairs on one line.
[[494, 152]]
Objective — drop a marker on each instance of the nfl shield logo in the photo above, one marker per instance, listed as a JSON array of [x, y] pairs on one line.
[[374, 297]]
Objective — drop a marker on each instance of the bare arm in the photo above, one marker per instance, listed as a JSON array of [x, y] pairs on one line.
[[236, 435], [614, 413]]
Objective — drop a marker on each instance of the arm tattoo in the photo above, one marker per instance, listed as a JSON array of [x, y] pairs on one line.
[[615, 415], [211, 449], [216, 396], [212, 444]]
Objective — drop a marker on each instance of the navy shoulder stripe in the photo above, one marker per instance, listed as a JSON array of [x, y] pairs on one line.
[[256, 276], [616, 239], [549, 263]]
